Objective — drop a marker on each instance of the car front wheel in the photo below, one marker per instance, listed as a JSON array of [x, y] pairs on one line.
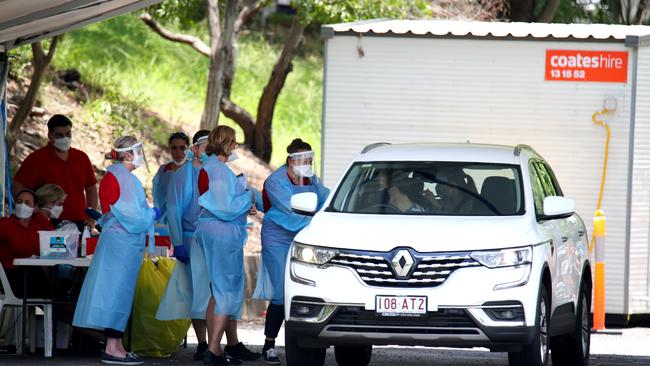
[[537, 352], [300, 356], [573, 350]]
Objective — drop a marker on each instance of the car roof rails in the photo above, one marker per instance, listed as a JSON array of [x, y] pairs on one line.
[[520, 147], [372, 146]]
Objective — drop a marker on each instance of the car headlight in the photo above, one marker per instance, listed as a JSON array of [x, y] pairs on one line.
[[311, 254], [504, 257]]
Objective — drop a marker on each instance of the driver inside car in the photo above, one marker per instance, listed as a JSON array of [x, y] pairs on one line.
[[401, 191]]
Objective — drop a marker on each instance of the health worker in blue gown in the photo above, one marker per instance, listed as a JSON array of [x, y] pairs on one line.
[[279, 227], [178, 144], [107, 293], [182, 212], [218, 244]]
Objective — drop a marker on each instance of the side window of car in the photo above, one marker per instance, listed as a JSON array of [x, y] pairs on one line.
[[538, 189], [546, 179]]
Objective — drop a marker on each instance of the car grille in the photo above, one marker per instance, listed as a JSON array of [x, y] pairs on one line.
[[444, 321], [430, 269]]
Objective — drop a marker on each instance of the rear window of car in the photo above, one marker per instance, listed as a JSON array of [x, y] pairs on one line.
[[431, 188]]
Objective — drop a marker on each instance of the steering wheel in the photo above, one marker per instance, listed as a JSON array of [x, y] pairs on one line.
[[381, 207]]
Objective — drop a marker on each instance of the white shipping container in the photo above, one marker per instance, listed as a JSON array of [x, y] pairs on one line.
[[508, 83]]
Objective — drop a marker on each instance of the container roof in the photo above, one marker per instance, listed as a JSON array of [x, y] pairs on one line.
[[631, 35], [26, 21]]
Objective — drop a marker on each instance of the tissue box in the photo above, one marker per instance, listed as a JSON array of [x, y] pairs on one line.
[[58, 244]]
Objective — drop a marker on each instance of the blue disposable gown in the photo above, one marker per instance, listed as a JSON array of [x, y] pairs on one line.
[[279, 227], [218, 244], [107, 293], [182, 214], [159, 191]]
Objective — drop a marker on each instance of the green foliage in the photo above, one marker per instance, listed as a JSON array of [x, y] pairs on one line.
[[134, 65], [186, 13], [335, 11], [20, 59]]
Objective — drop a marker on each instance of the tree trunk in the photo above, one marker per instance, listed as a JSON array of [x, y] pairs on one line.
[[210, 116], [549, 11], [40, 63], [263, 146], [521, 10]]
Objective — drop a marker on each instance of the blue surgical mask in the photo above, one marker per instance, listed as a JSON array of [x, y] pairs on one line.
[[189, 154], [204, 158]]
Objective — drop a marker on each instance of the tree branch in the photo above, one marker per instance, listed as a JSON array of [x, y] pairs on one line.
[[238, 114], [194, 42], [250, 9]]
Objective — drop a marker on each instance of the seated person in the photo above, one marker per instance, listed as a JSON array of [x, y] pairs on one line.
[[50, 199], [455, 192], [403, 191], [374, 192], [19, 239]]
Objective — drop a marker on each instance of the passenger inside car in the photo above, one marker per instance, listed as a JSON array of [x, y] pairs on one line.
[[455, 192]]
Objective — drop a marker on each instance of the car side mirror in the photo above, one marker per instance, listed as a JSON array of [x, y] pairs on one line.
[[305, 203], [557, 207]]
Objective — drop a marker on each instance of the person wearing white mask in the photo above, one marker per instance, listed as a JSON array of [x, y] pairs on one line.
[[107, 293], [279, 227], [60, 164], [178, 143], [19, 239], [50, 199]]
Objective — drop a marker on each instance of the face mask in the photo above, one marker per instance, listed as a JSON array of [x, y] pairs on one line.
[[303, 170], [23, 211], [204, 158], [55, 211], [189, 154], [179, 163], [232, 157], [138, 160], [63, 144]]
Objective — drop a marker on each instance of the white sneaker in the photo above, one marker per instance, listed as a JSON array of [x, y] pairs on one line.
[[271, 357]]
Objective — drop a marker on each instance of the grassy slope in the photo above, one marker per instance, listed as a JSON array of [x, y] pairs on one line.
[[124, 56]]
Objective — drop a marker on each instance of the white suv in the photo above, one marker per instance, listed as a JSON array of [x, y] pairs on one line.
[[461, 245]]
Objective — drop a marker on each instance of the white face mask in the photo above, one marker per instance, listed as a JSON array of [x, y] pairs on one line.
[[63, 143], [179, 163], [55, 211], [23, 211], [138, 160], [232, 157], [303, 170]]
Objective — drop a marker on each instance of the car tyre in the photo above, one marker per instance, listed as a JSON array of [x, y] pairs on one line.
[[537, 352], [353, 356], [573, 349], [301, 356]]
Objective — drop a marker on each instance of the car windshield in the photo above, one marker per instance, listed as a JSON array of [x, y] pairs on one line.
[[431, 188]]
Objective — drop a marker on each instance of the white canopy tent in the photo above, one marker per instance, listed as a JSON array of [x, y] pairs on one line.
[[26, 21]]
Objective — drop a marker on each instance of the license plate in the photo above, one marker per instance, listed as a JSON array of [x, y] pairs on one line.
[[400, 305]]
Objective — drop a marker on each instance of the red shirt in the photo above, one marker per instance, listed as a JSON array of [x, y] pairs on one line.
[[73, 176], [204, 182], [109, 192], [17, 241]]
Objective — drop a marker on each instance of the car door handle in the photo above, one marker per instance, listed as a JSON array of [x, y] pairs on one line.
[[581, 233], [564, 239]]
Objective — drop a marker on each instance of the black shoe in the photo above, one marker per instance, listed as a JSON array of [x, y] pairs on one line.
[[200, 351], [212, 359], [129, 359], [270, 356], [240, 352]]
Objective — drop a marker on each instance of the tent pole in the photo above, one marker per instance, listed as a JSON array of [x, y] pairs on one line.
[[4, 155]]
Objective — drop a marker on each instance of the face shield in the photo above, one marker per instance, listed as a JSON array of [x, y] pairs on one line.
[[198, 150], [303, 164], [137, 150]]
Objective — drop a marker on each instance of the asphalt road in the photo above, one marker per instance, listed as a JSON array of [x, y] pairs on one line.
[[631, 347]]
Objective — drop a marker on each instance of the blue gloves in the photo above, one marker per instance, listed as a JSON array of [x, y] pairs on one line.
[[181, 254], [156, 210]]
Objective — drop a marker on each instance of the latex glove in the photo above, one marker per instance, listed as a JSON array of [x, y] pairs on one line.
[[157, 212], [181, 254]]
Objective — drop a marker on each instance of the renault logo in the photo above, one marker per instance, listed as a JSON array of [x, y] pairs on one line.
[[402, 263]]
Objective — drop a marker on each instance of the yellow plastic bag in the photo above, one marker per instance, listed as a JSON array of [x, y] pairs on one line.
[[153, 337]]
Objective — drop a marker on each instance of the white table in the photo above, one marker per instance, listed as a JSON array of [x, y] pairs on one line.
[[82, 262]]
